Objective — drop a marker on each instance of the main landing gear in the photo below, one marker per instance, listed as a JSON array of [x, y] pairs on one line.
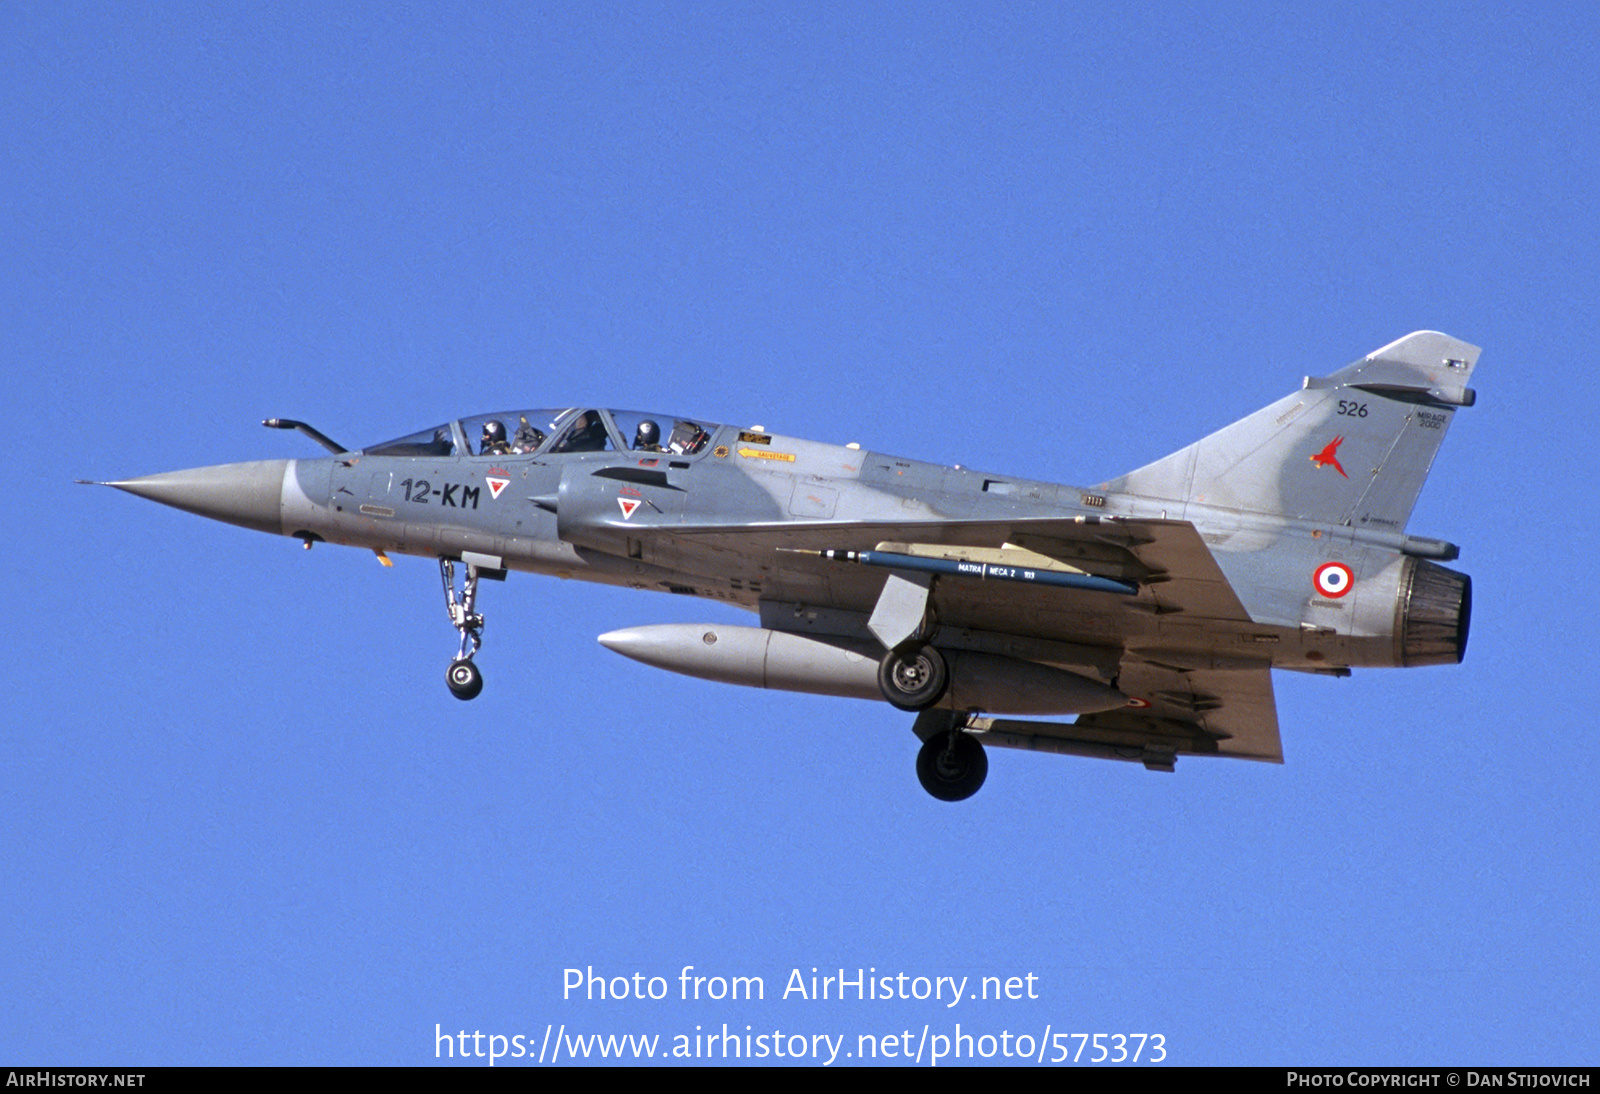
[[463, 677], [913, 676], [952, 764]]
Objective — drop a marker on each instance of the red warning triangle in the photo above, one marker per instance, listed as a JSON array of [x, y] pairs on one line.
[[496, 485], [628, 506]]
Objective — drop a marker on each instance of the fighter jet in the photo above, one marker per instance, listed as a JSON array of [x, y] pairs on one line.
[[1153, 607]]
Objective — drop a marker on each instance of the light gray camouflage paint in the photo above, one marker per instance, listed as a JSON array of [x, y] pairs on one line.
[[1277, 542]]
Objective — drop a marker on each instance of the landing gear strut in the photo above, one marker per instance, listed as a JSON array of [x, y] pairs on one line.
[[463, 677]]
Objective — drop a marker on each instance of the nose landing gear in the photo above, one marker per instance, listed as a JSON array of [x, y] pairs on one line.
[[463, 677]]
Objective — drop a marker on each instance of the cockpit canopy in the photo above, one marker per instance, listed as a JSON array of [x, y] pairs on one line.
[[553, 432]]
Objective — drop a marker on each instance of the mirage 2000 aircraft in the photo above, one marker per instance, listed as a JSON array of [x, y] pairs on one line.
[[1153, 606]]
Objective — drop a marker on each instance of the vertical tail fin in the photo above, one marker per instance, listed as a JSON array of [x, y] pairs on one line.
[[1351, 448]]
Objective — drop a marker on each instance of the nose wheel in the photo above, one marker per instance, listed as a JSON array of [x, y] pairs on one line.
[[463, 677], [464, 680]]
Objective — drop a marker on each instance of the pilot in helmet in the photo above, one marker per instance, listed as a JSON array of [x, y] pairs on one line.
[[647, 438], [587, 434], [494, 439]]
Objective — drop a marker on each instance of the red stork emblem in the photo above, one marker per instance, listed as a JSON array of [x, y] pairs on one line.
[[1329, 456]]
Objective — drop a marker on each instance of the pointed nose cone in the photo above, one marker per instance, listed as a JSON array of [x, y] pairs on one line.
[[248, 494], [635, 642]]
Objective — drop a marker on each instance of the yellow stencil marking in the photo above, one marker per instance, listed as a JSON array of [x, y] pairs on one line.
[[759, 454]]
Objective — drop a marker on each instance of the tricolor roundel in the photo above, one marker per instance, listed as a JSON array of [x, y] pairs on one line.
[[1333, 579]]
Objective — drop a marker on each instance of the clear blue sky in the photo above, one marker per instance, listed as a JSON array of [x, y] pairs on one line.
[[244, 822]]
